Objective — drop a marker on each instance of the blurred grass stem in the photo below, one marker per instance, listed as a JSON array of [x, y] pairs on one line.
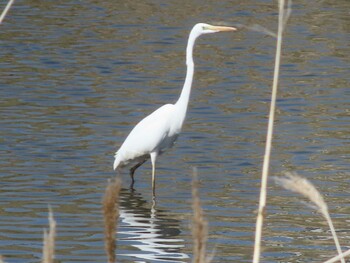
[[49, 240], [282, 19], [5, 11], [337, 258]]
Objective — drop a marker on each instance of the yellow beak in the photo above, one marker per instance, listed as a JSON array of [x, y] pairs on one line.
[[222, 28]]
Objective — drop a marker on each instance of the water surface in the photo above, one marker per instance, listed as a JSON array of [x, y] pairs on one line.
[[77, 76]]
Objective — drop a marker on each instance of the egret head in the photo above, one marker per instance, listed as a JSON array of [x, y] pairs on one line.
[[202, 28]]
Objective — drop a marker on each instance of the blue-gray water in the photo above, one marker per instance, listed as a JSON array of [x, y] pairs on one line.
[[76, 76]]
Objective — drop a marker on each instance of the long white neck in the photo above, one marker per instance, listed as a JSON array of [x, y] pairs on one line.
[[182, 102]]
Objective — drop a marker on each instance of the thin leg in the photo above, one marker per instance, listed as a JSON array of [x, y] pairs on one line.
[[153, 160], [133, 169], [153, 208]]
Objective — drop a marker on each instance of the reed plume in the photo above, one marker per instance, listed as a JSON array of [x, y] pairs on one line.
[[297, 184], [111, 215]]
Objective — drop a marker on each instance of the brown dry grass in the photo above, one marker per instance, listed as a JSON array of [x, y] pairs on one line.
[[199, 225], [111, 215]]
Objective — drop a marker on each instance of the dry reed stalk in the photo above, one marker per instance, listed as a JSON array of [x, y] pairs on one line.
[[282, 20], [111, 215], [337, 258], [199, 225], [302, 186], [7, 8], [49, 240]]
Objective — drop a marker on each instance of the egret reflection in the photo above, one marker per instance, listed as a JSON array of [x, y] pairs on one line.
[[148, 233]]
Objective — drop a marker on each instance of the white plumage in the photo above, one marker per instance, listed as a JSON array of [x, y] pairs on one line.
[[154, 133], [159, 130]]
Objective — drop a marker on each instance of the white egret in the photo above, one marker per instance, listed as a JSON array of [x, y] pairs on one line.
[[159, 130]]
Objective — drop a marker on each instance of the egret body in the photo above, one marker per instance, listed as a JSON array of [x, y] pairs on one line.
[[159, 130]]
